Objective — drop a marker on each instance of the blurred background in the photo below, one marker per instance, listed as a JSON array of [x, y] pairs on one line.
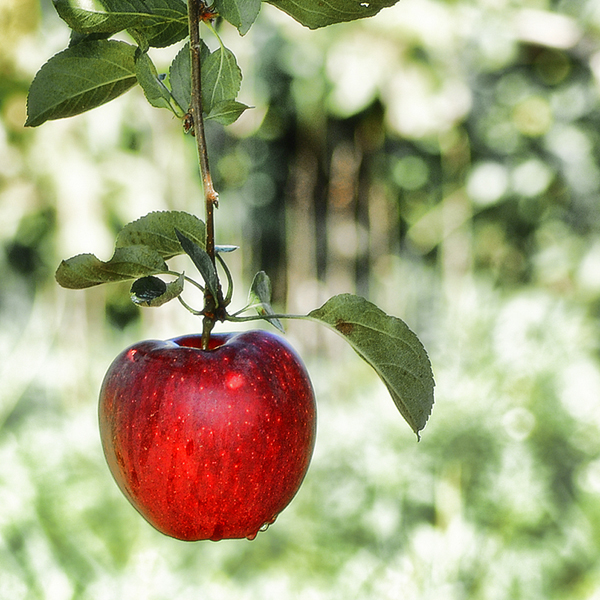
[[441, 159]]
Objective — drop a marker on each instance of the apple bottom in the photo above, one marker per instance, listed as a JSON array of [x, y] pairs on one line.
[[208, 444]]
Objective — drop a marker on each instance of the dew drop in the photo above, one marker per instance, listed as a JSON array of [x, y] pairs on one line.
[[217, 535]]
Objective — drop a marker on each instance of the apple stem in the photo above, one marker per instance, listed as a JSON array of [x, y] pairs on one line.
[[196, 9]]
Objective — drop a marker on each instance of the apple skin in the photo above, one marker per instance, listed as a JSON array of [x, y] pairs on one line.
[[208, 444]]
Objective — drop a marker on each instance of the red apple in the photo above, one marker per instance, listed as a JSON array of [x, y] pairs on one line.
[[208, 444]]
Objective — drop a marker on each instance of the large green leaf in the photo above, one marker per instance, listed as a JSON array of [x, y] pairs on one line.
[[390, 347], [157, 230], [221, 78], [161, 22], [320, 13], [169, 24], [240, 13], [85, 270], [80, 78]]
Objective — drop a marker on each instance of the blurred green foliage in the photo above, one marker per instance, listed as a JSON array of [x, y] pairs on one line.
[[441, 158]]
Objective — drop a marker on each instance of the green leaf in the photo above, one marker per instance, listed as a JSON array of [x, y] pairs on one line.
[[180, 75], [160, 22], [203, 263], [320, 13], [85, 270], [80, 78], [77, 38], [240, 13], [226, 112], [153, 292], [260, 295], [96, 16], [390, 347], [155, 91], [157, 230], [221, 78], [169, 24]]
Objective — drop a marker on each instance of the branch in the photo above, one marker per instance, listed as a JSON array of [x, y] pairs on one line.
[[196, 10]]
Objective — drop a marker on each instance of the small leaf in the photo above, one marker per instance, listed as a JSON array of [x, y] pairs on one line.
[[154, 90], [157, 230], [85, 270], [240, 13], [203, 263], [226, 112], [390, 347], [221, 78], [317, 13], [260, 295], [80, 78], [226, 248], [153, 292]]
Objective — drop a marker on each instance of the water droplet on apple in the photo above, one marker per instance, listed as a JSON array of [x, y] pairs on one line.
[[264, 527], [131, 354]]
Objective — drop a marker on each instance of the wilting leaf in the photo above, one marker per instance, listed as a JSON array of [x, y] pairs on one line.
[[153, 292], [85, 270]]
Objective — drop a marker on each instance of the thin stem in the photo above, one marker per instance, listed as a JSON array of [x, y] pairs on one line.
[[185, 277], [188, 307], [249, 318], [229, 294], [195, 10]]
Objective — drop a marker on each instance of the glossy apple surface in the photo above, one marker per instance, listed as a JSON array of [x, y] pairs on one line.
[[208, 444]]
